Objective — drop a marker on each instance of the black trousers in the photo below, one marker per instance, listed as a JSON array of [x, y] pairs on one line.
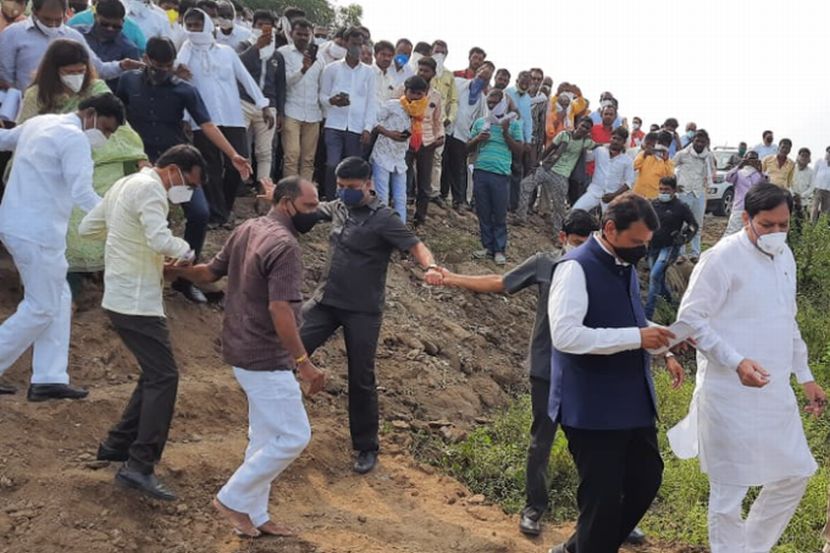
[[620, 472], [419, 172], [223, 181], [143, 428], [360, 331], [454, 170], [542, 435]]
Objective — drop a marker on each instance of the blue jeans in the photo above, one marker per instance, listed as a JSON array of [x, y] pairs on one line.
[[698, 207], [339, 146], [659, 261], [492, 193], [197, 213], [382, 180]]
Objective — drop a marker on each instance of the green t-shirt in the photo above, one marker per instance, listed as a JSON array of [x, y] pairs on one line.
[[494, 155], [564, 166]]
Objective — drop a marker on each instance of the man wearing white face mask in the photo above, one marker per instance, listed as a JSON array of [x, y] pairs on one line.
[[229, 33], [133, 219], [52, 172], [744, 422]]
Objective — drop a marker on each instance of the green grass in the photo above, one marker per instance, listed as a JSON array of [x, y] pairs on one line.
[[492, 459]]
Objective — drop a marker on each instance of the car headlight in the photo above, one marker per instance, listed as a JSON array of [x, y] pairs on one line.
[[713, 191]]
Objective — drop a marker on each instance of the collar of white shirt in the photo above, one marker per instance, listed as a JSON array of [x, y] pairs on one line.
[[602, 245]]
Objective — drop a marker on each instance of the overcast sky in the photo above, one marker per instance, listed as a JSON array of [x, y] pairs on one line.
[[735, 68]]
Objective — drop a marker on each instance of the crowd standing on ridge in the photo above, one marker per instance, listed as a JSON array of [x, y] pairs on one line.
[[111, 112]]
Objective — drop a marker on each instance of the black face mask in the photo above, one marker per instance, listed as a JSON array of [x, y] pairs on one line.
[[158, 76], [304, 222], [629, 255]]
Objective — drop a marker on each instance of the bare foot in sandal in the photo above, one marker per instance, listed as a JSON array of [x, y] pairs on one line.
[[241, 522]]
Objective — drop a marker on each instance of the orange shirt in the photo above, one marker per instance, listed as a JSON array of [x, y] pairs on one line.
[[650, 170]]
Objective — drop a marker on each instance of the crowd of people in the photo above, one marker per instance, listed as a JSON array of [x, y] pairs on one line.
[[114, 111]]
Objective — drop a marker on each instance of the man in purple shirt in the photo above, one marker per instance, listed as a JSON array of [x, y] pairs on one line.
[[743, 177]]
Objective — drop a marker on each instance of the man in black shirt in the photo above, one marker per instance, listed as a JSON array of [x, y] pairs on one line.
[[351, 293], [666, 242], [537, 270], [155, 100]]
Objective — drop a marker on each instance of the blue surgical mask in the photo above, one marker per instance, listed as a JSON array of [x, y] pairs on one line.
[[664, 197], [350, 197], [401, 59]]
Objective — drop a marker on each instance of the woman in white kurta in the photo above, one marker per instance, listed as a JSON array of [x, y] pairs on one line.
[[741, 301]]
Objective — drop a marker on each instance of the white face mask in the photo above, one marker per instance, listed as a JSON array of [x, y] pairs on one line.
[[773, 243], [439, 63], [319, 40], [94, 135], [73, 82], [336, 51], [179, 193], [268, 51], [51, 32]]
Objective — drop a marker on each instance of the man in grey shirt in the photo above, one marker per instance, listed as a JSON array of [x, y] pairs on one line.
[[536, 270]]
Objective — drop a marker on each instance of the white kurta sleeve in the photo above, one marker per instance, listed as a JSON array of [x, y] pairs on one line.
[[9, 138], [249, 84], [707, 291], [94, 225], [801, 368], [77, 166], [567, 307], [152, 212]]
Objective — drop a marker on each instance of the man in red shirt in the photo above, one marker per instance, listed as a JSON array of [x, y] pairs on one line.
[[476, 57], [601, 134]]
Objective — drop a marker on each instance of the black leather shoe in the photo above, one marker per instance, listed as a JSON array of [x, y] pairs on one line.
[[366, 461], [145, 483], [45, 392], [189, 291], [7, 390], [636, 537], [529, 525], [106, 453]]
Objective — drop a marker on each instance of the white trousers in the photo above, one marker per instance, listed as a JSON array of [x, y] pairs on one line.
[[43, 317], [736, 222], [262, 136], [278, 431], [591, 199], [767, 519]]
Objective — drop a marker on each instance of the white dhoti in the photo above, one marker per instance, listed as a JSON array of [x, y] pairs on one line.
[[43, 318], [278, 432]]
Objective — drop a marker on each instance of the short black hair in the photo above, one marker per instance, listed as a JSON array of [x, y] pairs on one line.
[[664, 138], [580, 223], [765, 196], [489, 64], [301, 23], [476, 50], [765, 133], [584, 119], [622, 132], [353, 31], [416, 84], [37, 5], [786, 141], [503, 70], [805, 151], [537, 70], [651, 137], [161, 49], [671, 122], [382, 45], [207, 4], [185, 157], [403, 41], [264, 15], [112, 9], [353, 167], [292, 11], [440, 42], [423, 48], [669, 181], [195, 14], [288, 187], [627, 209], [105, 105], [703, 133], [429, 62]]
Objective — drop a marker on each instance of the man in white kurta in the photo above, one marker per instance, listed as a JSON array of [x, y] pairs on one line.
[[51, 173], [744, 422]]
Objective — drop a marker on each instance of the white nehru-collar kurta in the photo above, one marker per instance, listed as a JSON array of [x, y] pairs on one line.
[[742, 304]]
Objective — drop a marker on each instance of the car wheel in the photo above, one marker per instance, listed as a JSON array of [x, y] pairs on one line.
[[726, 202]]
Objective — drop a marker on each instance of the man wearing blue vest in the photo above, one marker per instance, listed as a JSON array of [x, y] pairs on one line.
[[601, 389]]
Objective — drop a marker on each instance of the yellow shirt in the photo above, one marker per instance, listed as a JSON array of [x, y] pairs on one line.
[[445, 86], [783, 175], [650, 170]]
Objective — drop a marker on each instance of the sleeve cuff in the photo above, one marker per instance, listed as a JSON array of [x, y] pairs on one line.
[[804, 375], [633, 338], [733, 359]]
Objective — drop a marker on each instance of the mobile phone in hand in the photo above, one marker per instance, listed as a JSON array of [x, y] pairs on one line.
[[312, 50], [406, 133]]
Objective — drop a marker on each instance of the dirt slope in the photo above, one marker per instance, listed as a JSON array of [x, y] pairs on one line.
[[444, 356]]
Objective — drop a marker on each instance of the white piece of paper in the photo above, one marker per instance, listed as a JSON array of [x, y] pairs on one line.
[[681, 331]]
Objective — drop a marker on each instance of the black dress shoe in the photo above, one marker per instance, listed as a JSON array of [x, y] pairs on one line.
[[107, 453], [366, 461], [145, 483], [7, 390], [189, 291], [529, 525], [636, 537], [44, 392]]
